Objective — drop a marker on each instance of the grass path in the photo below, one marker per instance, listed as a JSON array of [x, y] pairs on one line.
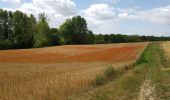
[[146, 81]]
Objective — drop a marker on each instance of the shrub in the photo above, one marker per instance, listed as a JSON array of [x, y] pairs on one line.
[[100, 79], [4, 45], [108, 74]]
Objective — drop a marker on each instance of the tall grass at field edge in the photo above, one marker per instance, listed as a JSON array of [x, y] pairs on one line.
[[127, 85], [111, 73]]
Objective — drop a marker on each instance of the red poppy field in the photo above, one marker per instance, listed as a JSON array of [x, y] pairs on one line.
[[75, 53]]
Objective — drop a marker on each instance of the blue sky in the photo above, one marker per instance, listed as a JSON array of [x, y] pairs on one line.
[[143, 4], [143, 17]]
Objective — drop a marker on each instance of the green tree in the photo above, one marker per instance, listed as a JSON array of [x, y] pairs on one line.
[[99, 39], [66, 30], [5, 29], [75, 31], [43, 30], [1, 25], [90, 38], [79, 30], [4, 24], [55, 37], [11, 27], [22, 31], [33, 29]]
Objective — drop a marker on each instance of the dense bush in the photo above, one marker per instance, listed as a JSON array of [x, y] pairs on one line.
[[55, 37], [4, 45], [108, 74]]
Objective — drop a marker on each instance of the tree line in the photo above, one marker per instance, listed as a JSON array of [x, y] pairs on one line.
[[18, 31], [119, 38]]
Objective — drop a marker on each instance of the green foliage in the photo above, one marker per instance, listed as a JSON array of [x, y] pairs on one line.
[[43, 32], [4, 44], [108, 74], [79, 30], [3, 24], [90, 38], [55, 37], [16, 28], [118, 38], [22, 31], [22, 36], [99, 39], [100, 80], [145, 56], [75, 31], [67, 30]]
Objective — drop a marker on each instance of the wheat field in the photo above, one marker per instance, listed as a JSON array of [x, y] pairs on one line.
[[58, 73], [166, 48]]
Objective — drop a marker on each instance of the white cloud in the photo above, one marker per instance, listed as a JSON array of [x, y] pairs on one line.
[[99, 12], [157, 15], [100, 17], [29, 8], [103, 18], [56, 10], [64, 7], [123, 15]]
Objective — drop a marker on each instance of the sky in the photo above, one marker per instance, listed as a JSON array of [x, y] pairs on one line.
[[130, 17]]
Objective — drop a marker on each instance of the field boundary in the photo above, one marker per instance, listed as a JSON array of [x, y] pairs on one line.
[[145, 81]]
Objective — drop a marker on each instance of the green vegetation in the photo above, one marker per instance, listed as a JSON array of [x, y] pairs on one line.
[[131, 85], [75, 31], [118, 38], [145, 56], [42, 35], [18, 30], [160, 77], [108, 74]]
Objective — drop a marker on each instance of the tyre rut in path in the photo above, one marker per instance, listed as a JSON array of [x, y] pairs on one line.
[[147, 91]]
